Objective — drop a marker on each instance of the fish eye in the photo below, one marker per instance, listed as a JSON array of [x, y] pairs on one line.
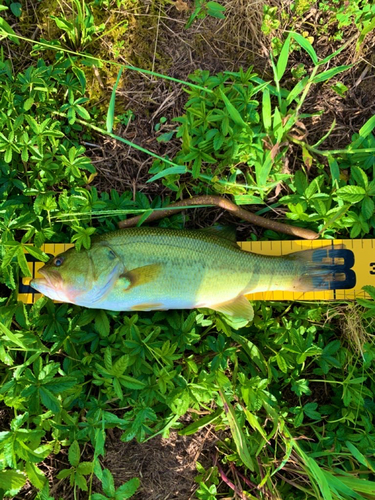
[[58, 261]]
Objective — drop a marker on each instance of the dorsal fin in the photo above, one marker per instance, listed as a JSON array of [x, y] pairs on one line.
[[225, 232]]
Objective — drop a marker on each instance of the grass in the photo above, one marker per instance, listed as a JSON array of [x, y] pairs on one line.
[[290, 395]]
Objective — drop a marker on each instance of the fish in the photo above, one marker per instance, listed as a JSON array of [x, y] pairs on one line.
[[153, 269]]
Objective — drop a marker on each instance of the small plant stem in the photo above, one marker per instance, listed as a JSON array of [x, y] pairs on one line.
[[228, 205], [331, 151], [306, 90], [118, 138], [98, 60]]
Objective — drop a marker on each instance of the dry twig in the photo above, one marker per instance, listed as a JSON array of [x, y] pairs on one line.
[[228, 205]]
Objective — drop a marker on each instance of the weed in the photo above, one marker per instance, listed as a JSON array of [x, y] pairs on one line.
[[81, 29]]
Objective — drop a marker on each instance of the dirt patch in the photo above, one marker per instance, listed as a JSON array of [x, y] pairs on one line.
[[166, 467]]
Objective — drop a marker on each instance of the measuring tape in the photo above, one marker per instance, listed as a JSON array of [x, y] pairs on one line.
[[364, 268]]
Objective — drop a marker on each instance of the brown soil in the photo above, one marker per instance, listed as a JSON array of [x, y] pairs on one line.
[[166, 467]]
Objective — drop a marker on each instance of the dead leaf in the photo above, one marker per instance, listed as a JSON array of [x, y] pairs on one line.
[[307, 158], [181, 6]]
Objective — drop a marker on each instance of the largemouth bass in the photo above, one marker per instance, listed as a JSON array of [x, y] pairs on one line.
[[147, 269]]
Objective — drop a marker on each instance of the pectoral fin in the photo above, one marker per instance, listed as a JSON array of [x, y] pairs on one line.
[[240, 307], [140, 275]]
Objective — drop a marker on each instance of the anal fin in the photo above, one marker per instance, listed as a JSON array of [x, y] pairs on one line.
[[239, 307]]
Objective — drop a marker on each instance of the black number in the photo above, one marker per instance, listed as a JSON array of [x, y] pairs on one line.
[[372, 265]]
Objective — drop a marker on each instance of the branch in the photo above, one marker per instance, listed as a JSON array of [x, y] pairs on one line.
[[228, 205]]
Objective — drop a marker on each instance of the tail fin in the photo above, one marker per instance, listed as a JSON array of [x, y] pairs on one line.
[[325, 269]]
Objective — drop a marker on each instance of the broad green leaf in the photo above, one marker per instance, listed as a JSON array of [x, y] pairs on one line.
[[364, 131], [35, 475], [326, 75], [145, 216], [266, 110], [74, 454], [81, 481], [28, 103], [16, 339], [131, 383], [128, 489], [108, 483], [233, 112], [36, 252], [16, 8], [281, 363], [64, 473], [201, 423], [120, 365], [49, 400], [334, 169], [6, 30], [359, 456], [177, 170], [102, 325], [367, 208], [22, 262], [306, 45], [85, 468], [296, 90], [237, 433], [61, 384], [352, 194], [283, 59], [12, 480]]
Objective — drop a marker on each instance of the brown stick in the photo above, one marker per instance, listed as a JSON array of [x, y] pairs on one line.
[[228, 205]]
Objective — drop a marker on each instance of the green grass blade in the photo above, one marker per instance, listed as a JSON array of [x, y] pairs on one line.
[[237, 433], [111, 107], [145, 216], [283, 59], [297, 90], [176, 170], [234, 114], [364, 33], [358, 455], [201, 423], [128, 143], [326, 75], [99, 61], [266, 109], [364, 131]]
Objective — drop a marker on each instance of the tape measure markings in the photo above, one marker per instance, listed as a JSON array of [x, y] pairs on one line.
[[364, 268]]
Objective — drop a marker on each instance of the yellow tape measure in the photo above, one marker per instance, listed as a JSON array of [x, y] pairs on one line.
[[364, 268]]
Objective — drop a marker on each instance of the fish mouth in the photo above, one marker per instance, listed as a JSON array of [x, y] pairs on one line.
[[51, 281]]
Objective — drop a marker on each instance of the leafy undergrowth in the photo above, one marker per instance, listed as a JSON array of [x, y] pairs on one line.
[[289, 396]]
